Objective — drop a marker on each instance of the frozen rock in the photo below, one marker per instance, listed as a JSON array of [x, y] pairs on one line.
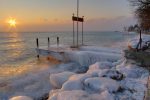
[[134, 85], [101, 65], [111, 73], [99, 84], [70, 95], [81, 95], [133, 71], [72, 85], [80, 77], [58, 79], [20, 98], [105, 95], [133, 42], [86, 58]]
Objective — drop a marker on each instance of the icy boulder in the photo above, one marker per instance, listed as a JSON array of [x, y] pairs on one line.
[[86, 58], [133, 71], [75, 82], [70, 95], [136, 87], [99, 84], [105, 95], [21, 98], [111, 73], [57, 80], [134, 42], [101, 65], [72, 85], [80, 95]]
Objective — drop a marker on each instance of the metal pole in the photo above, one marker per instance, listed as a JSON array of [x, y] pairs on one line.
[[37, 43], [82, 29], [73, 33], [77, 20]]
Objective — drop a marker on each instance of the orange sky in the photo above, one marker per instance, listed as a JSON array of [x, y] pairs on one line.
[[53, 15]]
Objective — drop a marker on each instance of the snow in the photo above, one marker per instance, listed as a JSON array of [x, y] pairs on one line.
[[101, 65], [90, 74], [99, 84], [57, 80], [80, 95], [133, 71], [112, 74], [133, 42], [86, 58], [21, 98]]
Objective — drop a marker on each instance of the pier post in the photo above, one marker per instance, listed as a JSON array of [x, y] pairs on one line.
[[48, 43], [37, 43], [57, 41]]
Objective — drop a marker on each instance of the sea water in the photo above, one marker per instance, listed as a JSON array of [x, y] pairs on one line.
[[20, 71]]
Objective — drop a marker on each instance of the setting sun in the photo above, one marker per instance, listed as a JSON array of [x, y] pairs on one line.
[[12, 22]]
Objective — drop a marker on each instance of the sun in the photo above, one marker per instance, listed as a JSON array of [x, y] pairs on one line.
[[12, 22]]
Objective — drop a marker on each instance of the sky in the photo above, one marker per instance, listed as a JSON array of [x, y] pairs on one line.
[[56, 15]]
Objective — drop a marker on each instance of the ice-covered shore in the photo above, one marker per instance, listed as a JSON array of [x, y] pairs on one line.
[[97, 74]]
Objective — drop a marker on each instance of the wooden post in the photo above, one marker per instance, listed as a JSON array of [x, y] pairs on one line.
[[57, 41], [37, 43], [48, 43]]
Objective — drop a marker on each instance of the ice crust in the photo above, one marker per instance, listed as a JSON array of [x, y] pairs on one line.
[[105, 75]]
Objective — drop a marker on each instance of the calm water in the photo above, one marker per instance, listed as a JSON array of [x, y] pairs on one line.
[[17, 49]]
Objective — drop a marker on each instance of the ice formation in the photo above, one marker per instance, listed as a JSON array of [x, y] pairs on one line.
[[145, 41], [21, 98]]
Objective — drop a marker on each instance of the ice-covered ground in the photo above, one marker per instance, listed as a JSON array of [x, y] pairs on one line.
[[145, 41], [92, 74]]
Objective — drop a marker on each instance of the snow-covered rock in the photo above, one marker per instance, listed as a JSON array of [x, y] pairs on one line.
[[136, 87], [111, 73], [58, 79], [86, 58], [70, 95], [105, 95], [133, 42], [21, 98], [101, 65], [133, 71], [72, 85], [80, 95], [99, 84]]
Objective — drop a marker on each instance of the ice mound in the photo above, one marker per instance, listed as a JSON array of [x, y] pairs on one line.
[[86, 58], [133, 42], [80, 95], [99, 84], [20, 98], [75, 82], [135, 86], [57, 80], [101, 65], [111, 73], [133, 71]]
